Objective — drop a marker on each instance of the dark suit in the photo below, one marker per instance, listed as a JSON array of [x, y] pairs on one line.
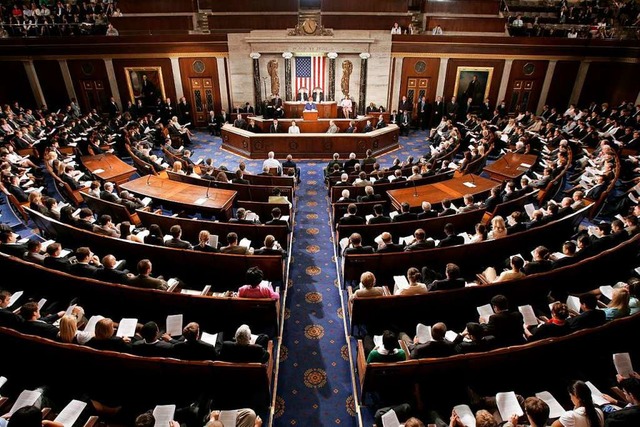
[[452, 240], [112, 275], [391, 247], [427, 244], [159, 348], [351, 220], [587, 319], [506, 326], [624, 417], [15, 249], [274, 129], [195, 350], [442, 348], [233, 352], [446, 284], [39, 328], [148, 282], [83, 270], [60, 264], [111, 344], [380, 220], [10, 319], [358, 250], [405, 216], [534, 267], [427, 214]]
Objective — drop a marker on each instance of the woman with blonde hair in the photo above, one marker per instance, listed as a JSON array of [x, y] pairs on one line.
[[619, 305], [498, 228], [177, 167], [368, 287]]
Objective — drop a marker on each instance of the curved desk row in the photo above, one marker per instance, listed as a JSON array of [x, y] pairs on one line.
[[309, 145]]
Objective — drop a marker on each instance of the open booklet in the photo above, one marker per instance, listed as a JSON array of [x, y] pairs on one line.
[[163, 415], [390, 419], [485, 310], [623, 365], [26, 398], [508, 405], [528, 315], [401, 282], [423, 332], [127, 327], [174, 325], [555, 409], [466, 415]]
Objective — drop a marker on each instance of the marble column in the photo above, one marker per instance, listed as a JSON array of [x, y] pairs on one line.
[[331, 92], [287, 75], [364, 57], [113, 84], [177, 78], [66, 76], [30, 69], [257, 89], [580, 77], [504, 83], [442, 77], [551, 68], [222, 82]]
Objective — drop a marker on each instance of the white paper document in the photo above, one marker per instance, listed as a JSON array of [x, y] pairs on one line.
[[469, 184], [508, 405], [555, 409], [450, 336], [163, 415], [377, 341], [209, 338], [127, 327], [91, 324], [485, 310], [69, 415], [401, 283], [245, 242], [253, 339], [3, 380], [173, 284], [201, 201], [623, 365], [607, 291], [528, 315], [573, 303], [146, 201], [97, 171], [423, 332], [465, 414], [596, 395], [228, 418], [390, 419], [14, 297], [174, 324], [26, 398]]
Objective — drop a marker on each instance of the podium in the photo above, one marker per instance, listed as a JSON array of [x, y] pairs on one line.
[[310, 115]]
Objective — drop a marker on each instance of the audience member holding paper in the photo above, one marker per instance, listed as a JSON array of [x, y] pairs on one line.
[[619, 305], [27, 416], [245, 417], [589, 316], [233, 247], [504, 325], [206, 243], [429, 342], [419, 241], [7, 316], [254, 287], [556, 326], [414, 286], [105, 338], [194, 347], [515, 273], [245, 348], [35, 325], [584, 412], [144, 279], [153, 344], [385, 348], [628, 413]]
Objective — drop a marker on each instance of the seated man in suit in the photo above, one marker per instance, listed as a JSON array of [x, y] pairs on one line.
[[451, 239], [271, 247], [447, 208], [7, 316], [276, 218], [589, 316], [35, 325], [405, 214], [110, 274], [241, 350], [378, 215], [420, 241], [427, 211], [290, 164], [504, 325], [333, 128], [233, 247], [381, 123], [54, 259], [193, 348], [152, 343], [352, 217], [452, 280], [369, 195], [387, 244], [352, 127], [9, 244], [569, 252], [355, 246], [87, 264], [144, 279], [176, 238], [438, 347], [345, 196]]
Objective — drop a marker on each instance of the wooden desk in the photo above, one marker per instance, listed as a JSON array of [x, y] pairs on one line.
[[310, 115], [113, 169], [315, 145], [327, 110], [187, 196], [434, 193], [510, 166]]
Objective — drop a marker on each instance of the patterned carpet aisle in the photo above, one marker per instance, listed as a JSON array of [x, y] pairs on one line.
[[314, 382]]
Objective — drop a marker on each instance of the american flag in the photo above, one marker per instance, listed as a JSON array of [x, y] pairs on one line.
[[309, 72]]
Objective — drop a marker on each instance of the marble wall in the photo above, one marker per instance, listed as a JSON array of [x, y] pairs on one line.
[[347, 44]]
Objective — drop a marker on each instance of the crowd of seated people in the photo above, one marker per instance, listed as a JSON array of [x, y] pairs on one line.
[[70, 18], [601, 20]]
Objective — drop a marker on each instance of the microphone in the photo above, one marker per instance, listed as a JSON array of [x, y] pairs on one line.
[[506, 161], [208, 186], [149, 174], [107, 161], [415, 189]]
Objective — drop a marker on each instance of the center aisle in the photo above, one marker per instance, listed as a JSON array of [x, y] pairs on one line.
[[314, 381]]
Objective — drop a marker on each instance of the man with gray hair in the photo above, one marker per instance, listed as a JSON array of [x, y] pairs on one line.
[[272, 163], [244, 348]]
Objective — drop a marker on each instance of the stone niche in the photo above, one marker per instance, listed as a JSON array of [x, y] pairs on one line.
[[270, 44]]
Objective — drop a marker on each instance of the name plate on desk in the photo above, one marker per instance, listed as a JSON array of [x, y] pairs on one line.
[[201, 201]]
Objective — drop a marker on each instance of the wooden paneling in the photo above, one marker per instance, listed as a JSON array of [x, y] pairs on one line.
[[52, 84], [211, 74], [476, 25], [368, 22], [564, 76], [167, 75], [611, 82], [15, 86], [156, 6], [430, 72], [152, 24], [273, 21], [249, 6], [452, 69], [87, 69], [484, 7], [536, 79], [392, 6]]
